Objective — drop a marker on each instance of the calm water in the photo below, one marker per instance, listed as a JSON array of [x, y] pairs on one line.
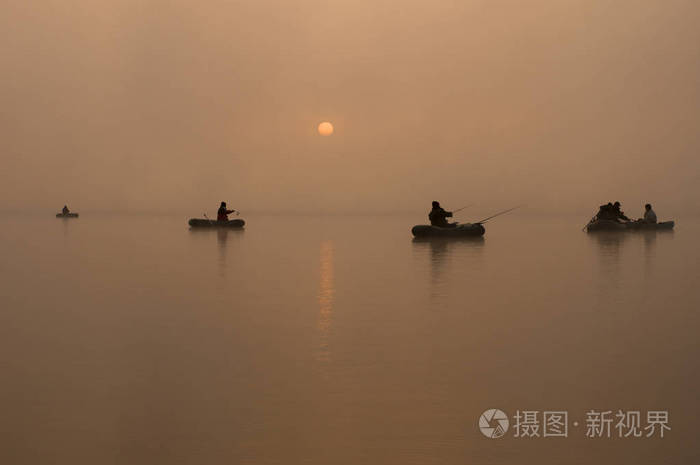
[[308, 340]]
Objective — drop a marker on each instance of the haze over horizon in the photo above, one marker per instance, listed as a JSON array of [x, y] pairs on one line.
[[172, 105]]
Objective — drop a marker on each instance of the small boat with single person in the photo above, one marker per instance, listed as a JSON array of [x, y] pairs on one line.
[[439, 227], [222, 220], [66, 213]]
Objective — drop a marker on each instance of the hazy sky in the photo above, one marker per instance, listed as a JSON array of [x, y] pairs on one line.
[[177, 105]]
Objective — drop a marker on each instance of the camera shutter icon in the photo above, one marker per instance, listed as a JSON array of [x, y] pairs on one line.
[[493, 423]]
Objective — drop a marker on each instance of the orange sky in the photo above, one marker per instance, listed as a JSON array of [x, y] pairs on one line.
[[176, 106]]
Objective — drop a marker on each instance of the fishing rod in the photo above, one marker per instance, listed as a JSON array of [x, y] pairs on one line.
[[460, 209], [498, 214]]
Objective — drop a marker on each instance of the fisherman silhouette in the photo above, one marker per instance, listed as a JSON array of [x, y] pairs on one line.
[[438, 216], [222, 213]]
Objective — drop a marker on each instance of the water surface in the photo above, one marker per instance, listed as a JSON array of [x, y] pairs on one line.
[[338, 340]]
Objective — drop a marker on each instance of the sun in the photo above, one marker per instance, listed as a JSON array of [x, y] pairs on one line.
[[325, 128]]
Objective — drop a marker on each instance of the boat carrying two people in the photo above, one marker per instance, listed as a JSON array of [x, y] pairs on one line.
[[222, 220], [610, 217]]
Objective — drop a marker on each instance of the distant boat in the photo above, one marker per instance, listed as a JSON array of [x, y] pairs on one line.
[[66, 215], [203, 223], [611, 225]]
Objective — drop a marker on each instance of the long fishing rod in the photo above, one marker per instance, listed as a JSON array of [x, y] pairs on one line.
[[498, 214], [460, 209]]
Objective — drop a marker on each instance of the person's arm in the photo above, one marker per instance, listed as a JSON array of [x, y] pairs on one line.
[[444, 213]]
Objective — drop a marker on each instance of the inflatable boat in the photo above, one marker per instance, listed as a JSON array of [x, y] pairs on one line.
[[610, 225], [461, 230], [200, 223]]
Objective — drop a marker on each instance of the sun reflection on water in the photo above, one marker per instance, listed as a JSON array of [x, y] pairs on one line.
[[325, 300]]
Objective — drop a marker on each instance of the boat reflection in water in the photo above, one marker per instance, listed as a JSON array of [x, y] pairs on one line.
[[617, 250], [222, 239], [223, 236], [441, 252]]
